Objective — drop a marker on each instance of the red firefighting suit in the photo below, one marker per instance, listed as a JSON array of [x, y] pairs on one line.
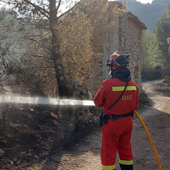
[[116, 134]]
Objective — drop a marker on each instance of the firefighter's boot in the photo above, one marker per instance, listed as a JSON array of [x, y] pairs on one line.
[[126, 167]]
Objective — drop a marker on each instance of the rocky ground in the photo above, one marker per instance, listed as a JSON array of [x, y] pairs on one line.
[[84, 153]]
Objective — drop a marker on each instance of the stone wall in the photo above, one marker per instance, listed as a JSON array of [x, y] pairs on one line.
[[124, 34], [130, 43], [105, 42], [110, 44]]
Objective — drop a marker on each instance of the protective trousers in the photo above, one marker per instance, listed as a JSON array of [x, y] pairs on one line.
[[116, 136]]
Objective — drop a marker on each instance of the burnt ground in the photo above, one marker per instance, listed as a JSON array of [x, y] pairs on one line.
[[83, 153]]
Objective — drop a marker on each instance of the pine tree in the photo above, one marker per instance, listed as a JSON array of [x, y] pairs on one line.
[[162, 31]]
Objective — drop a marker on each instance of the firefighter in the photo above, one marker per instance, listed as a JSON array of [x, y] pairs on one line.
[[118, 125]]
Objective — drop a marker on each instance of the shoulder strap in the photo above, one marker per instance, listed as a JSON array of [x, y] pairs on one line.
[[119, 97]]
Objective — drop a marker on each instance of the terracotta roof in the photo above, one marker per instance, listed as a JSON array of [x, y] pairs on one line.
[[136, 20], [114, 3]]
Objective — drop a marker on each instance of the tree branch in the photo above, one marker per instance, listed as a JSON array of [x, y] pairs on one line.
[[59, 3], [41, 10], [40, 68], [41, 45], [65, 51], [68, 11], [2, 87], [29, 85], [38, 56]]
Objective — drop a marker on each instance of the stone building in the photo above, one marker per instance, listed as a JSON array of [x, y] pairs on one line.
[[124, 35]]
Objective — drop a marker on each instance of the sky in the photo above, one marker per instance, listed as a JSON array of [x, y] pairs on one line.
[[142, 1], [145, 1]]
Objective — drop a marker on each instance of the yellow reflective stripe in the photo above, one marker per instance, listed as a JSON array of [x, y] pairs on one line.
[[123, 162], [110, 167], [116, 54], [121, 88]]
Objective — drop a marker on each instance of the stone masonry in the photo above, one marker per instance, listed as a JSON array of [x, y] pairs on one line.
[[123, 35]]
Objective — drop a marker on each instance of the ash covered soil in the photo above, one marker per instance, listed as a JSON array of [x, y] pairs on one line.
[[84, 154]]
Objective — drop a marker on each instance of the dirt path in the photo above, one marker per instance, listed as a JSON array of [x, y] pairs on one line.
[[85, 155]]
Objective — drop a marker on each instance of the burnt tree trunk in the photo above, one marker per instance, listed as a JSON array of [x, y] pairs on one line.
[[64, 86]]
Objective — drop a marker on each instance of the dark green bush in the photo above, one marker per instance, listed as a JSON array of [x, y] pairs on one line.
[[152, 73]]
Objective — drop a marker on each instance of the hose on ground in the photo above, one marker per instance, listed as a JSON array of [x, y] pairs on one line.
[[150, 139]]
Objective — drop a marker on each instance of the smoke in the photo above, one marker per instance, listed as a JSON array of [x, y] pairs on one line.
[[15, 99]]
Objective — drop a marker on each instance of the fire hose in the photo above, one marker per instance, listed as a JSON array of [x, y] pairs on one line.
[[150, 139]]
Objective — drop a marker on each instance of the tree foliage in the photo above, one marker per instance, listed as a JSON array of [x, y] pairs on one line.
[[150, 51], [162, 31], [147, 13], [60, 45], [63, 35], [151, 67], [156, 54]]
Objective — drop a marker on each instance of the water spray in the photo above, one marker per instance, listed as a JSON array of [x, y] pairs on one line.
[[15, 99]]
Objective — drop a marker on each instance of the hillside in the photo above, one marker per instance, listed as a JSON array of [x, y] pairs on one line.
[[147, 13]]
